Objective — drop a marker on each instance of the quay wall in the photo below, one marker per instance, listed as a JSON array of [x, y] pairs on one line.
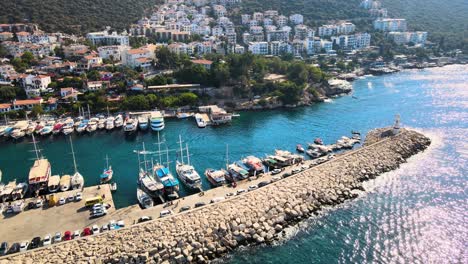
[[256, 217]]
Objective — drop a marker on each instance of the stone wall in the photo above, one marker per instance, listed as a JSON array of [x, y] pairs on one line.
[[255, 217]]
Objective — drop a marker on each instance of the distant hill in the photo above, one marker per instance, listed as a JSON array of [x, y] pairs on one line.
[[448, 19], [74, 16]]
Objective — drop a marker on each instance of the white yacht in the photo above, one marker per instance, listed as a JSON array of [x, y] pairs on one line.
[[144, 199], [118, 121], [102, 122], [143, 122], [54, 183], [200, 122], [77, 180], [92, 124], [186, 172], [110, 123], [65, 183], [157, 121], [68, 127], [131, 125]]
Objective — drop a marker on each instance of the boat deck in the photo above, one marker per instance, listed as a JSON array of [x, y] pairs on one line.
[[49, 220]]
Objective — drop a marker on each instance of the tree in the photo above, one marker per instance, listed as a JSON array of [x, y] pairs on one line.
[[37, 110], [27, 57], [188, 99], [136, 102]]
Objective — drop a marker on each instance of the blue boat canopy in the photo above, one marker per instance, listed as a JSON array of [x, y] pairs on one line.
[[162, 172]]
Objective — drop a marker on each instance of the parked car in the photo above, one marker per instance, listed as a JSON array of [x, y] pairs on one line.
[[24, 246], [184, 208], [104, 228], [15, 248], [200, 204], [252, 187], [67, 236], [31, 205], [39, 203], [263, 183], [98, 214], [76, 234], [241, 191], [78, 196], [35, 243], [229, 194], [294, 171], [121, 223], [287, 174], [275, 178], [217, 199], [145, 219], [62, 201], [87, 231], [95, 229], [47, 240], [276, 171], [58, 237], [165, 213], [3, 248], [304, 167], [112, 225], [70, 198]]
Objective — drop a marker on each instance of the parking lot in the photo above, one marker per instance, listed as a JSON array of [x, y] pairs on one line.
[[49, 220]]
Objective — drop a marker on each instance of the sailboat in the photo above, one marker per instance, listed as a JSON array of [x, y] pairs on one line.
[[39, 173], [217, 177], [187, 172], [107, 174], [77, 180], [164, 175], [109, 121], [146, 180]]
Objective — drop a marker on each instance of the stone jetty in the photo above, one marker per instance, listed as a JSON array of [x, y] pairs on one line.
[[256, 217]]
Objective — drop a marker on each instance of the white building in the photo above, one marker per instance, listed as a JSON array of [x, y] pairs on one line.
[[390, 24], [296, 19], [34, 84], [112, 52], [245, 19], [353, 42], [104, 38], [417, 38], [141, 57], [281, 21], [258, 16], [336, 29], [259, 48]]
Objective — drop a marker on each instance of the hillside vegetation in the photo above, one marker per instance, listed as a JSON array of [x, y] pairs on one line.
[[446, 21], [77, 16]]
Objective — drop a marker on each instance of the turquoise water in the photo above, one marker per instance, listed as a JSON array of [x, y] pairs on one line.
[[415, 214]]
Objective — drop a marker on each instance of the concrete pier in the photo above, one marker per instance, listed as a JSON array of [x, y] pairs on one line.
[[255, 217]]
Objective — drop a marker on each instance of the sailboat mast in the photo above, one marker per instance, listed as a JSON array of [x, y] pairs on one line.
[[227, 156], [159, 150], [35, 146], [144, 157], [73, 154], [181, 150], [167, 157], [188, 155], [89, 113], [107, 161]]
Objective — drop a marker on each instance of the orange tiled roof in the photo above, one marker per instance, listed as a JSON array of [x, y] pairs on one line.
[[27, 102]]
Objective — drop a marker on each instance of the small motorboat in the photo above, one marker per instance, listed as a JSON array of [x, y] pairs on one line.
[[299, 148], [318, 141], [113, 187]]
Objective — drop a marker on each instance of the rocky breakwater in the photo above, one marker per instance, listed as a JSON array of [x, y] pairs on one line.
[[256, 217]]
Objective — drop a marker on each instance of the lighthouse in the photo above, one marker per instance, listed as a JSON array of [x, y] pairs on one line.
[[396, 125]]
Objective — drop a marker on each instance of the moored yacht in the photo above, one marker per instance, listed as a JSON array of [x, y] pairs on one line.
[[54, 183], [92, 125], [200, 121], [110, 123], [216, 177], [131, 125], [47, 129], [186, 172], [107, 174], [65, 183], [19, 191], [157, 121], [236, 173], [102, 122], [170, 183], [118, 122], [77, 180], [7, 190], [82, 126], [143, 122], [68, 127], [144, 199], [39, 173], [57, 127], [254, 165]]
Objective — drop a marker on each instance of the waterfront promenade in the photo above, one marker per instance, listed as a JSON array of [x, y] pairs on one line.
[[255, 217]]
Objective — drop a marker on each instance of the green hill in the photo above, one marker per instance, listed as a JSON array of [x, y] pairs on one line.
[[444, 20], [75, 16]]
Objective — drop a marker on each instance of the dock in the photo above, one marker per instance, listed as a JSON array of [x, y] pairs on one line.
[[39, 222]]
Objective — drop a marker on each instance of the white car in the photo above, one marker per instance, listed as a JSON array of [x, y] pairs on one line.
[[39, 203], [70, 198], [76, 234], [304, 167], [112, 224], [58, 237], [252, 187], [294, 171], [104, 228], [275, 178], [62, 201], [165, 213], [95, 229], [275, 171], [47, 240], [121, 223], [217, 199], [24, 246], [98, 206], [78, 197]]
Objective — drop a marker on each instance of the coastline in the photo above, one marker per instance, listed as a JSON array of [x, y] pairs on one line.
[[256, 217]]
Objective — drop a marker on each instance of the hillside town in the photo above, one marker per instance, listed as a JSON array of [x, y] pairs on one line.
[[54, 69]]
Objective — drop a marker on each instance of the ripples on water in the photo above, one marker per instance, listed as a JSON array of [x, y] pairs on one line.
[[416, 214]]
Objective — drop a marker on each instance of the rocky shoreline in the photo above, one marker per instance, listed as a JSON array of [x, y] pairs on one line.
[[257, 217]]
